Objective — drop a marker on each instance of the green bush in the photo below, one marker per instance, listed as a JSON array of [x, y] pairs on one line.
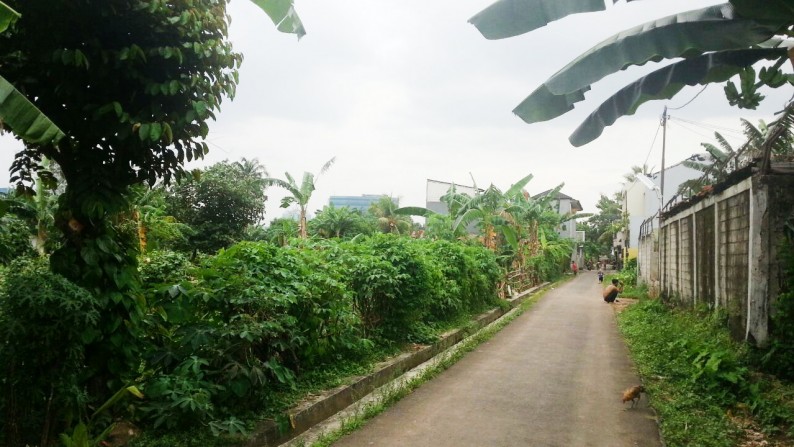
[[469, 275], [47, 324], [14, 239], [164, 267], [391, 287], [258, 315], [254, 318], [628, 275]]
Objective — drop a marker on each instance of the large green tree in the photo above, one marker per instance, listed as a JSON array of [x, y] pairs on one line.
[[132, 85], [717, 43], [601, 227], [219, 204]]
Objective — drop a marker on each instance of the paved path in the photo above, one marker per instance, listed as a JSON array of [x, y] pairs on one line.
[[553, 377]]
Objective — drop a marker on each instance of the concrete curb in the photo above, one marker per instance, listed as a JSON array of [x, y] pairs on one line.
[[313, 411]]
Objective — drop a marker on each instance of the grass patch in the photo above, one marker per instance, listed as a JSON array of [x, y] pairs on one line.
[[700, 382], [394, 393]]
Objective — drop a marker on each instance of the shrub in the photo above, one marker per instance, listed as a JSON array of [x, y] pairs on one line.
[[257, 316], [46, 326], [391, 287], [14, 239], [164, 267]]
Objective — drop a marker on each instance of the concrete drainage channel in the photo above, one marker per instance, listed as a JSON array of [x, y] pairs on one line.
[[327, 412]]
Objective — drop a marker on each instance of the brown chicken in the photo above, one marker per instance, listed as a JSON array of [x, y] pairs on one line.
[[633, 394]]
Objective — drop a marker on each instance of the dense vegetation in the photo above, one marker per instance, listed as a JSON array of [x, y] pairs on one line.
[[702, 384], [224, 338], [218, 338]]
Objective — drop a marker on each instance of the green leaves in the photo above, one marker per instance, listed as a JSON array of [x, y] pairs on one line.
[[738, 25], [7, 16], [667, 82], [508, 18], [283, 15], [682, 35], [748, 97], [24, 118]]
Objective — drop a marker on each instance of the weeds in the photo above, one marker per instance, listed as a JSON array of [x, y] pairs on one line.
[[699, 380]]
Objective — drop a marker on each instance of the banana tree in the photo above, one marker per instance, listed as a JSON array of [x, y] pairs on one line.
[[17, 113], [299, 194], [716, 43], [494, 213]]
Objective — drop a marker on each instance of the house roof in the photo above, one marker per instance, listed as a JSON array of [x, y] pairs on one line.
[[575, 204], [560, 195]]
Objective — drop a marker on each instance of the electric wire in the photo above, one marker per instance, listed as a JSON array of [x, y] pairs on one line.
[[685, 127], [710, 126], [650, 149], [690, 101]]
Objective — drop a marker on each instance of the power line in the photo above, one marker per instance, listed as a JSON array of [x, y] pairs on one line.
[[693, 131], [690, 101], [711, 126], [652, 143]]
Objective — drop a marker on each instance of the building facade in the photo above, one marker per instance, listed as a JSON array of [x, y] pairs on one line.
[[361, 203]]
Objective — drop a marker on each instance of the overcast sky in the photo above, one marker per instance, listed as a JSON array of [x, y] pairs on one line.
[[401, 91]]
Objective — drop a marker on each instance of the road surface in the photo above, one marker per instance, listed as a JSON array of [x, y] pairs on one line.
[[553, 377]]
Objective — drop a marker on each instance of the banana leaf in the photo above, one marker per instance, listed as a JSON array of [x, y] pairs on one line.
[[765, 9], [666, 82], [519, 185], [688, 34], [7, 16], [24, 119], [283, 14], [508, 18], [414, 211]]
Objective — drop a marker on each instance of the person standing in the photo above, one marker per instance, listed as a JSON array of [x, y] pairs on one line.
[[574, 267], [611, 291], [600, 276]]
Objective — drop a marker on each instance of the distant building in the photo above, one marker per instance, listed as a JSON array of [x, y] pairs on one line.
[[361, 203], [567, 205], [5, 190], [437, 189], [641, 200]]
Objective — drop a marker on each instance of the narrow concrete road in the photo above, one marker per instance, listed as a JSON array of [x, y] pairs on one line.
[[553, 377]]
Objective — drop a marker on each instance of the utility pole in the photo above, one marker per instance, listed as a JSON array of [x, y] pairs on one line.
[[664, 143]]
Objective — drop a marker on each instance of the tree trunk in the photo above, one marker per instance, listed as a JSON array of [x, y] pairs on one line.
[[303, 232]]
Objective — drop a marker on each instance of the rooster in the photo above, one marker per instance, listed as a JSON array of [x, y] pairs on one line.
[[633, 394]]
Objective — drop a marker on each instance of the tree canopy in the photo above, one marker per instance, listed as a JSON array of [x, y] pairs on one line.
[[219, 203]]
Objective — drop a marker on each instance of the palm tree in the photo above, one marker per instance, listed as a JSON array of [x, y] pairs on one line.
[[299, 194], [338, 222], [251, 168], [725, 159], [390, 220], [716, 42]]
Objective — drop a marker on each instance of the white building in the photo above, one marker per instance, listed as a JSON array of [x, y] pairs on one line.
[[642, 199], [437, 189]]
